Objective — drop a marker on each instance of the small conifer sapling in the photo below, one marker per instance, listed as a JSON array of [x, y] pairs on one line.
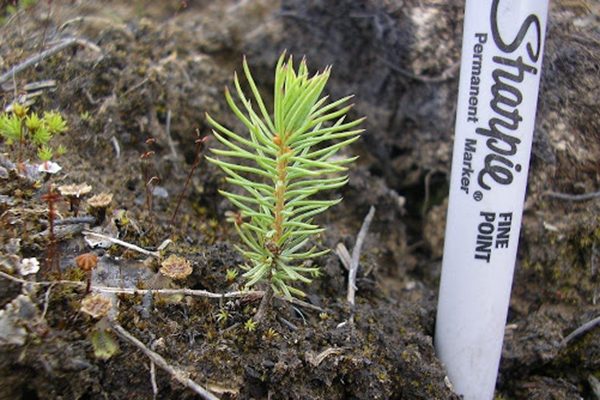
[[285, 158]]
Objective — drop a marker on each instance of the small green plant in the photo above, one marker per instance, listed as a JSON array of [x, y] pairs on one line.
[[45, 153], [250, 325], [281, 164], [271, 334], [231, 275], [22, 128], [222, 315]]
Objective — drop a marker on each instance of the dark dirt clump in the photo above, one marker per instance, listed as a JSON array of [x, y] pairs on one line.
[[135, 90]]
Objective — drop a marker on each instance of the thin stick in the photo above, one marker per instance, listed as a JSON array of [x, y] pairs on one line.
[[117, 147], [427, 195], [265, 304], [595, 384], [188, 292], [46, 302], [132, 291], [231, 328], [300, 313], [169, 138], [33, 86], [356, 255], [288, 324], [136, 86], [580, 331], [166, 292], [39, 57], [61, 232], [75, 220], [303, 304], [122, 243], [153, 379], [157, 359], [344, 255], [573, 197]]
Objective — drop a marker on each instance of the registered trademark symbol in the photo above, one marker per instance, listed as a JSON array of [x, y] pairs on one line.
[[478, 196]]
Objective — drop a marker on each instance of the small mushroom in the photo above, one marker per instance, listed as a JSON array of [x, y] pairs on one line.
[[49, 167], [176, 267], [98, 205], [96, 305], [73, 194], [87, 262]]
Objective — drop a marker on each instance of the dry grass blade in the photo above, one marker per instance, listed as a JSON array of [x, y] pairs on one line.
[[356, 255]]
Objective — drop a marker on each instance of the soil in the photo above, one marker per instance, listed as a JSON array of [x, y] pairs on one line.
[[157, 69]]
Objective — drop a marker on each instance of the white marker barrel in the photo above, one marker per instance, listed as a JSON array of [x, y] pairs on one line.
[[502, 50]]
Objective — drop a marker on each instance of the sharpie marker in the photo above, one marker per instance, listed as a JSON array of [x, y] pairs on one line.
[[503, 42]]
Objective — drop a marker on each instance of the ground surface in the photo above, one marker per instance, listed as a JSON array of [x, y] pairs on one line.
[[157, 69]]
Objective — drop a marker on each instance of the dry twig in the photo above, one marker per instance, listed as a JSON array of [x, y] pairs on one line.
[[287, 323], [170, 138], [303, 304], [344, 255], [75, 220], [46, 53], [230, 329], [35, 86], [46, 303], [116, 290], [573, 197], [153, 379], [595, 385], [177, 374], [580, 331], [122, 243], [116, 146], [316, 359], [166, 292]]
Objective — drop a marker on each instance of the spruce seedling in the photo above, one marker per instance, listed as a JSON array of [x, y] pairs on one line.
[[280, 164]]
